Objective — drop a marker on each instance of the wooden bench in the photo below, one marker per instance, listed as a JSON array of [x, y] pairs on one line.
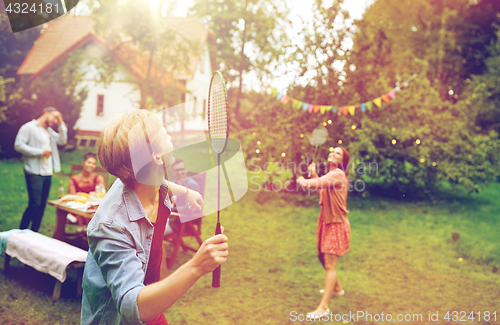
[[47, 255]]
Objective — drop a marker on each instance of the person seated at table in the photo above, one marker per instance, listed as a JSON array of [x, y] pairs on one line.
[[121, 281], [86, 181], [180, 204]]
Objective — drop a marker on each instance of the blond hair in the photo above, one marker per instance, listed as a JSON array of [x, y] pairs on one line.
[[122, 137]]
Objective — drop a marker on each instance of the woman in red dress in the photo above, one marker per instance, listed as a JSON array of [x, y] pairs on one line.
[[86, 181], [333, 230]]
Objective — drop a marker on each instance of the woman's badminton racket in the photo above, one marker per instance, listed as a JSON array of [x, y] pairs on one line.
[[218, 131], [319, 136]]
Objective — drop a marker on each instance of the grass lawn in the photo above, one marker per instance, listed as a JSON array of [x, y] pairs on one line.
[[402, 261]]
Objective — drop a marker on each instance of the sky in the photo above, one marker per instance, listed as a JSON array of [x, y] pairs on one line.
[[300, 13]]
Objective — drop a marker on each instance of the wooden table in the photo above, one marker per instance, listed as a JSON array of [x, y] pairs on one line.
[[62, 210]]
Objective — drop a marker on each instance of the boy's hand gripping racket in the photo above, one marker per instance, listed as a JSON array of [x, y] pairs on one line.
[[319, 136], [218, 131]]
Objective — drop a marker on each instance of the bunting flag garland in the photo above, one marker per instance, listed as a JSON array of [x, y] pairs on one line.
[[339, 110]]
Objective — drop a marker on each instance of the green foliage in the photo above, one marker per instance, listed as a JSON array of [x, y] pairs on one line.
[[279, 127], [22, 99], [3, 97], [391, 44], [435, 142], [484, 98], [250, 36]]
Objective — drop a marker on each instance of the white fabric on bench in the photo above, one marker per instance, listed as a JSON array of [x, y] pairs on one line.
[[45, 254]]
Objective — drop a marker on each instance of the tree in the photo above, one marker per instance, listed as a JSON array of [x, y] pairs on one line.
[[484, 98], [151, 43], [283, 129], [390, 45], [23, 99], [435, 141], [250, 35]]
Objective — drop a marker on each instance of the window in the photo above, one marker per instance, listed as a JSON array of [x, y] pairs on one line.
[[100, 105], [195, 107]]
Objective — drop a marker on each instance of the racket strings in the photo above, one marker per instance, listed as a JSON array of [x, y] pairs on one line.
[[218, 116], [319, 136]]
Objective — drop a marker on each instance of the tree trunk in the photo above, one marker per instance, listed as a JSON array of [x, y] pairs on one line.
[[238, 97]]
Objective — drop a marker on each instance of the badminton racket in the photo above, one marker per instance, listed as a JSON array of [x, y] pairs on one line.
[[218, 131], [319, 136]]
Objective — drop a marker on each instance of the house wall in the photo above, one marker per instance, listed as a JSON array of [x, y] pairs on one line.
[[199, 90], [120, 97]]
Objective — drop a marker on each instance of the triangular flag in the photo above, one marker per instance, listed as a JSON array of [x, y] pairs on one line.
[[392, 94], [294, 102], [322, 109], [304, 106], [363, 107], [328, 108], [316, 108], [334, 109], [345, 110], [351, 109], [369, 105], [278, 97], [274, 92], [378, 102], [339, 112], [285, 101], [310, 108], [298, 105], [283, 98], [386, 98]]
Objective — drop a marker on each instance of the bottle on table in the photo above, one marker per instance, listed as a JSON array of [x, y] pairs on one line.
[[60, 191]]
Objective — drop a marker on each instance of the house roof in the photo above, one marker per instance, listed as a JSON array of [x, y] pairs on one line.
[[60, 37], [67, 33]]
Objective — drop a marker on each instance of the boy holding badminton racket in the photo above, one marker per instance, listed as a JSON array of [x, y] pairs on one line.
[[121, 282], [333, 230]]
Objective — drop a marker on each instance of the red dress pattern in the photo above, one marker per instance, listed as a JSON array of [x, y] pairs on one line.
[[333, 238]]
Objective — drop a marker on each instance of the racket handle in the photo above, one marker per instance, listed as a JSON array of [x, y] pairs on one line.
[[216, 278], [216, 272]]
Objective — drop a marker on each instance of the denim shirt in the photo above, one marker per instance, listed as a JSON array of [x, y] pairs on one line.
[[120, 237], [29, 143]]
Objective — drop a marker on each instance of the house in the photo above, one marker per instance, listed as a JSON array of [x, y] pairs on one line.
[[68, 33]]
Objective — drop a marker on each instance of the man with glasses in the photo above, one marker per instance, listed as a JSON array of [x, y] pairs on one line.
[[37, 142], [181, 178]]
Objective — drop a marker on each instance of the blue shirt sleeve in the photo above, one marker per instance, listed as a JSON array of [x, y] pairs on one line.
[[116, 255]]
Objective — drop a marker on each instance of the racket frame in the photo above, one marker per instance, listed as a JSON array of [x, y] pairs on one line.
[[217, 272], [209, 109]]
